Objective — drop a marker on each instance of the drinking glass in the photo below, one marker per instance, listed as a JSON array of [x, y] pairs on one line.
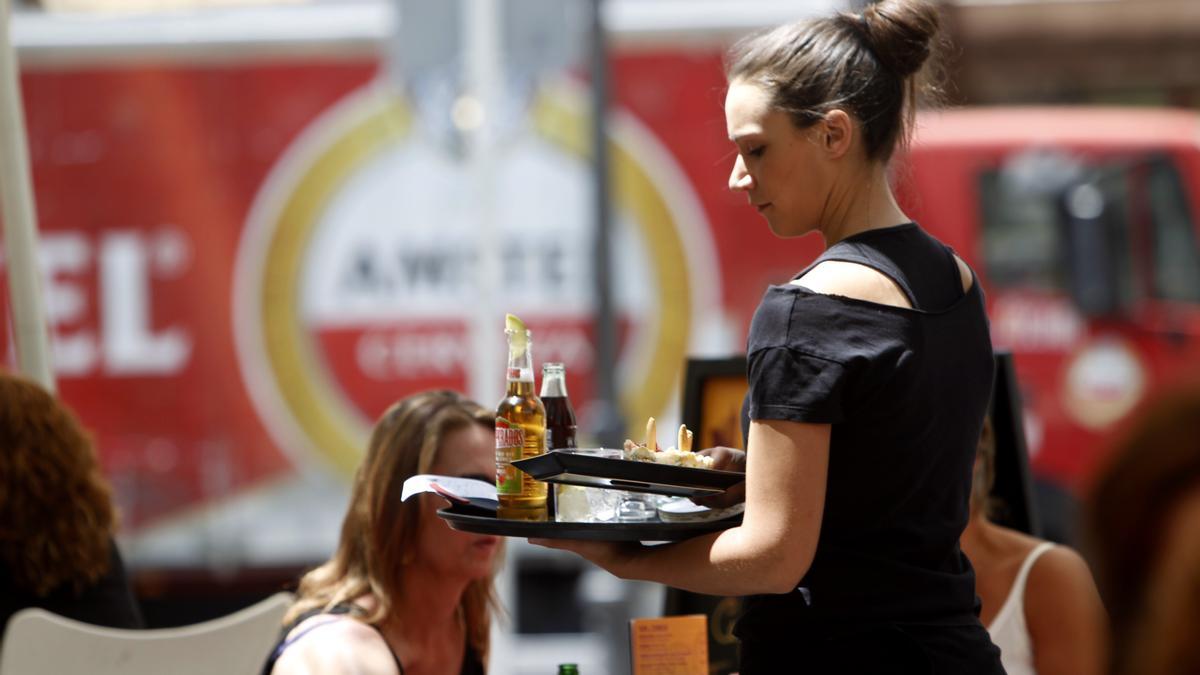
[[601, 503], [637, 507]]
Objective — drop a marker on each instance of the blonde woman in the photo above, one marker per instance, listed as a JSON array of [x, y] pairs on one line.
[[403, 593], [1040, 604]]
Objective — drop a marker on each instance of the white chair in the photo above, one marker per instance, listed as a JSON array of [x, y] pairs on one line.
[[38, 642]]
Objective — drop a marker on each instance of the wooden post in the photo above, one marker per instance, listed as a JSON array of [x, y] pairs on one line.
[[20, 220]]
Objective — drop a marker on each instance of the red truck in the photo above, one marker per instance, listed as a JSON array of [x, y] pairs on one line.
[[1081, 223]]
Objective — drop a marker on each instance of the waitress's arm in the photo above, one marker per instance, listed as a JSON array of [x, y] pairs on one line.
[[786, 467]]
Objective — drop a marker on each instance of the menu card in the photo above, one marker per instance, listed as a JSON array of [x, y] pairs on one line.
[[669, 645], [451, 487], [466, 495]]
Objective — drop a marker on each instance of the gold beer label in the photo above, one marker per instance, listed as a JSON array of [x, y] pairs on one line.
[[510, 442]]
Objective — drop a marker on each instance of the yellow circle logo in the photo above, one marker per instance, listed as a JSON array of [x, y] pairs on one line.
[[354, 282]]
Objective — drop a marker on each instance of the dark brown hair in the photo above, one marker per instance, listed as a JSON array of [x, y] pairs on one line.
[[1152, 468], [865, 64], [379, 532], [56, 512]]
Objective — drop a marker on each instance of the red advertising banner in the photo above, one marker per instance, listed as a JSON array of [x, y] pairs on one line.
[[246, 260], [244, 264]]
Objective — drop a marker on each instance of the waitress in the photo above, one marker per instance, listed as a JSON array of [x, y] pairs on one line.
[[869, 376]]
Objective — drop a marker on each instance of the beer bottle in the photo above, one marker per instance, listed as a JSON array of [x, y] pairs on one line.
[[568, 669], [560, 416], [520, 432]]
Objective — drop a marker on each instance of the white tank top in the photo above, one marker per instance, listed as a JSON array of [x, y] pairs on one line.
[[1009, 630]]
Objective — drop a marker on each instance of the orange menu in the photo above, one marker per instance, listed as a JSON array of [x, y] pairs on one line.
[[670, 645]]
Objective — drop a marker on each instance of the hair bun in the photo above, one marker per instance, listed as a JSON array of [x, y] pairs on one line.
[[900, 33]]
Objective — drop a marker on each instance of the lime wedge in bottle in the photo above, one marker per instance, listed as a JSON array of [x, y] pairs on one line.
[[519, 334]]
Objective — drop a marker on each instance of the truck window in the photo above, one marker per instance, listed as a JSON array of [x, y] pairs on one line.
[[1023, 206], [1022, 240], [1176, 258]]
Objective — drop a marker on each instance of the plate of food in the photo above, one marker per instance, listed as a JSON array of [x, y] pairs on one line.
[[644, 467]]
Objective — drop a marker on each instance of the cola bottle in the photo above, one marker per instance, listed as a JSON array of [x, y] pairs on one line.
[[560, 416]]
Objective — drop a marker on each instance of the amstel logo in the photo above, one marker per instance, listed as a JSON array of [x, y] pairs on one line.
[[359, 273]]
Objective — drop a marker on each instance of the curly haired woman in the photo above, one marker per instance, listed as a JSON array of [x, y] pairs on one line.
[[56, 515]]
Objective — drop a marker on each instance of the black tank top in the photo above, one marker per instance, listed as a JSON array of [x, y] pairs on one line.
[[472, 664]]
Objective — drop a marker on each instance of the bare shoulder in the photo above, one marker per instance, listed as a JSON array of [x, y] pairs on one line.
[[852, 280], [336, 645], [1060, 591], [1065, 615], [964, 273], [1058, 565]]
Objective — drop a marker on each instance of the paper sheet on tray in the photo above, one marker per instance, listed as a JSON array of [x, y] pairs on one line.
[[450, 487]]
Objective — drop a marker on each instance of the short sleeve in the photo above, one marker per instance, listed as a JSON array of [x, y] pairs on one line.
[[787, 384]]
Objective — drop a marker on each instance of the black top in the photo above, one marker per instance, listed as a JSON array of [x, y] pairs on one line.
[[471, 665], [108, 602], [905, 391]]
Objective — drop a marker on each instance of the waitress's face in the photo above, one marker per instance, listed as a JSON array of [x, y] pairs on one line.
[[780, 167]]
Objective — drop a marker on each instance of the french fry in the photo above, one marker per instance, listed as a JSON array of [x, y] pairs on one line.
[[680, 455]]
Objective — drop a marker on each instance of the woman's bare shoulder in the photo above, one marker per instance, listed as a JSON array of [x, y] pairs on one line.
[[852, 280], [335, 645], [1058, 570], [1060, 591], [964, 273], [1065, 616]]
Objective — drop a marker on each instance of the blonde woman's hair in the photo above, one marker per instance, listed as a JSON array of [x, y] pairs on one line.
[[379, 532], [984, 476]]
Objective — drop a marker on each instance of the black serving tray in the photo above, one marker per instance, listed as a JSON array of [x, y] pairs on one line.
[[571, 468], [650, 531]]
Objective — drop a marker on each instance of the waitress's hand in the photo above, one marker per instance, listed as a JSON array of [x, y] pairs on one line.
[[606, 554], [725, 459]]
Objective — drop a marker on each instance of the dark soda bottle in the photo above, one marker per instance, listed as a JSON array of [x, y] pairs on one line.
[[560, 416]]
